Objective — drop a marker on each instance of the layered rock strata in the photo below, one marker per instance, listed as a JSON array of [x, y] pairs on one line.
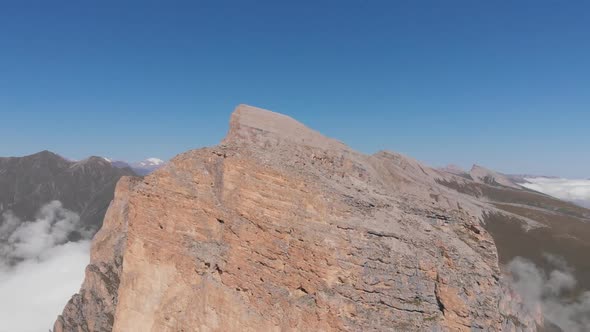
[[282, 229]]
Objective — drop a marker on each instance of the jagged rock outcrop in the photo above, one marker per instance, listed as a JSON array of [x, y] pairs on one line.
[[282, 229]]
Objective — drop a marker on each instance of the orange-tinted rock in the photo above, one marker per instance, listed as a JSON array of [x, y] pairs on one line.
[[282, 229]]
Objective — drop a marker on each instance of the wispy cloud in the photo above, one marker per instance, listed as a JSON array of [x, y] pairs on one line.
[[41, 266], [571, 190], [547, 290]]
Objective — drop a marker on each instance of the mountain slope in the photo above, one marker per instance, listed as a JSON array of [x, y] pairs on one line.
[[483, 175], [530, 224], [85, 187], [280, 228]]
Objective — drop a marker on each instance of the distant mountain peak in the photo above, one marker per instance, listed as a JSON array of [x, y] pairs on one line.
[[144, 167], [484, 175], [94, 160], [45, 154]]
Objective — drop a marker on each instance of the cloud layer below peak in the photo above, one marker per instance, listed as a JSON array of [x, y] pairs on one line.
[[40, 267], [551, 291], [577, 191]]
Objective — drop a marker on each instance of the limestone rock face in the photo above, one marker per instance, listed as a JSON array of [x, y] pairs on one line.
[[282, 229]]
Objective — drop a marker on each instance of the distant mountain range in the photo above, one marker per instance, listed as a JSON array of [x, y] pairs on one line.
[[85, 187], [484, 175], [575, 191], [142, 167]]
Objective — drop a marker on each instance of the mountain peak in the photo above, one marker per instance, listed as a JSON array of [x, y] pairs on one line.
[[97, 159], [44, 154], [253, 124], [487, 176], [476, 167]]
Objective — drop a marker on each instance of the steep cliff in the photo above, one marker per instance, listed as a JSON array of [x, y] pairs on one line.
[[281, 229]]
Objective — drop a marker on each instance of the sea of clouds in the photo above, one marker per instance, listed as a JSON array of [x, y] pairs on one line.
[[552, 292], [42, 265], [577, 191], [548, 290]]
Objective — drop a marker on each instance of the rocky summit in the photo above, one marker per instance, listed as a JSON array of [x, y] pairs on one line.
[[282, 229]]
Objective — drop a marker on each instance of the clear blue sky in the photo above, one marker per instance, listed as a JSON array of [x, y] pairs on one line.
[[505, 84]]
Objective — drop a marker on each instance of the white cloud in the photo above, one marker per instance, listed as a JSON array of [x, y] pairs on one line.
[[571, 190], [539, 289], [155, 161], [40, 269], [151, 162]]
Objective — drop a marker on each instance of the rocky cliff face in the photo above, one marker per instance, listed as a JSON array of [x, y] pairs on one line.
[[282, 229]]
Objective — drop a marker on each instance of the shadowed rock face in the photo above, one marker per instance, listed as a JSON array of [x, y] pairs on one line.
[[281, 229], [85, 187]]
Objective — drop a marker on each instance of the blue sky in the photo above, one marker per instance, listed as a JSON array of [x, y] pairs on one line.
[[501, 83]]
